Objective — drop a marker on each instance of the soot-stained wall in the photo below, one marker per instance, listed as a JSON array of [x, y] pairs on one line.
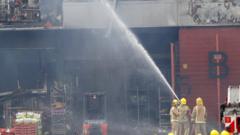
[[91, 62]]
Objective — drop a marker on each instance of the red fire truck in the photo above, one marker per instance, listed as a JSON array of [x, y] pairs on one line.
[[95, 114], [230, 111]]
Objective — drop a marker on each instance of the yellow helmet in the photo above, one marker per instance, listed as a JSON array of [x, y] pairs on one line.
[[183, 101], [174, 102], [199, 101], [214, 132], [170, 133], [224, 132]]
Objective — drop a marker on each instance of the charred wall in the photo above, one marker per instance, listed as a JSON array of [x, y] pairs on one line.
[[89, 61]]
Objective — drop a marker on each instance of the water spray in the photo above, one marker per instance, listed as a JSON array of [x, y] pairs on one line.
[[134, 41]]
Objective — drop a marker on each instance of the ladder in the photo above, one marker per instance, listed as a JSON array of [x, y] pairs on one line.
[[164, 116]]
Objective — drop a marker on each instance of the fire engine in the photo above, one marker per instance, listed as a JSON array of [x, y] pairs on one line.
[[230, 111], [95, 114]]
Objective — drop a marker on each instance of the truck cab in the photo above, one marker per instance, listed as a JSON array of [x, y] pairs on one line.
[[95, 122], [230, 111]]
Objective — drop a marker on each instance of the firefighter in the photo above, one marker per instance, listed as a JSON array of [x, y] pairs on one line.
[[199, 115], [214, 132], [171, 133], [183, 119], [224, 132], [174, 116]]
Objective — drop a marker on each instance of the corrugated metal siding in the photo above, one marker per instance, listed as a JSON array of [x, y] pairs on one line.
[[195, 43]]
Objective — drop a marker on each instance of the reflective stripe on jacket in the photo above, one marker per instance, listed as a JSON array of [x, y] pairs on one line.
[[199, 114]]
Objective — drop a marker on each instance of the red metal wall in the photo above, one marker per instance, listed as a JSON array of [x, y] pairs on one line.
[[194, 45]]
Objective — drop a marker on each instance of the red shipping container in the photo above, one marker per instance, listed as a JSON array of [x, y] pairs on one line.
[[194, 46]]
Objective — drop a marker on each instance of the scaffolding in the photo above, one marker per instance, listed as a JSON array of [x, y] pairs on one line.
[[164, 116], [31, 13], [19, 12], [4, 8], [58, 110]]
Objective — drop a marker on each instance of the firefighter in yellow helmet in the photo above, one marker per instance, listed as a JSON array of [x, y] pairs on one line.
[[174, 116], [199, 116], [183, 119], [214, 132], [171, 133], [224, 132]]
